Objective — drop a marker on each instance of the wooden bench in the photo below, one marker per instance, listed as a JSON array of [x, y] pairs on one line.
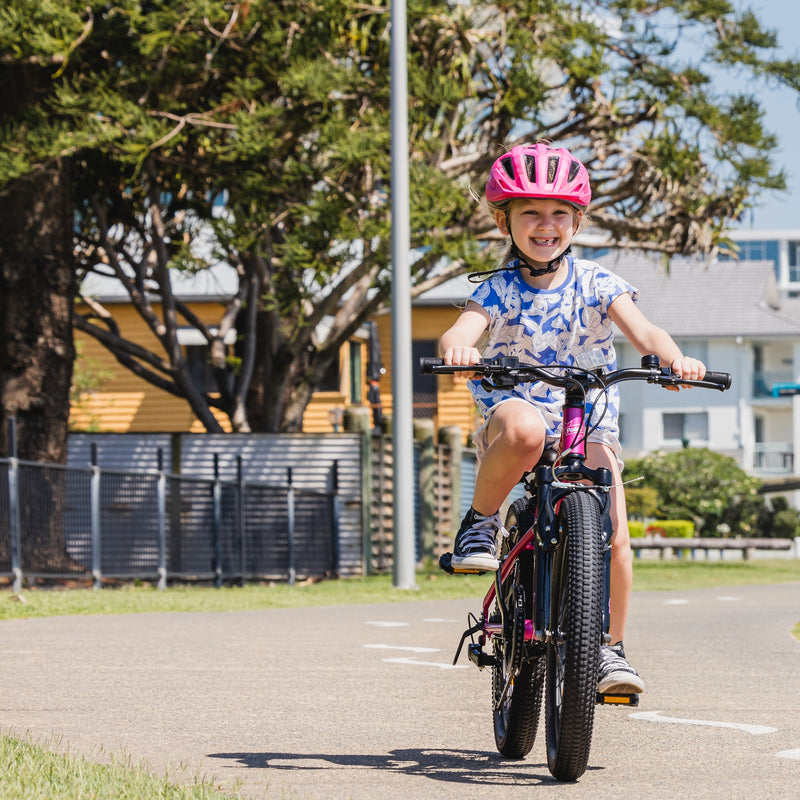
[[669, 545]]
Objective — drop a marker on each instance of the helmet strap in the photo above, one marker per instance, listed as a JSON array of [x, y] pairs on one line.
[[537, 272]]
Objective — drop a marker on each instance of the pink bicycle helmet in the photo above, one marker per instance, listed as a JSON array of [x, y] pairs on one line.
[[536, 170]]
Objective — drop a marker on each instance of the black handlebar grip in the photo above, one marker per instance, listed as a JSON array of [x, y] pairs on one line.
[[427, 363], [721, 380]]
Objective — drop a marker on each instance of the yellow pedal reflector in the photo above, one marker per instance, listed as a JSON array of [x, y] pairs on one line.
[[619, 699]]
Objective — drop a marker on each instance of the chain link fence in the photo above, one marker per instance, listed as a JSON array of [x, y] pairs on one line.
[[61, 522]]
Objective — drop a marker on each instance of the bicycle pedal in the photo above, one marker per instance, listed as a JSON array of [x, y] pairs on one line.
[[479, 658], [446, 565], [618, 699]]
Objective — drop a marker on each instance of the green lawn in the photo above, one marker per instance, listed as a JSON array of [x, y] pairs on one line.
[[32, 771], [431, 585]]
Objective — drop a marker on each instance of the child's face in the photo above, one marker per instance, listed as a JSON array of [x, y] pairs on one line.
[[542, 228]]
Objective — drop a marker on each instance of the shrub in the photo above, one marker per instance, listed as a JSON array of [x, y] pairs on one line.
[[636, 529], [672, 528], [699, 484]]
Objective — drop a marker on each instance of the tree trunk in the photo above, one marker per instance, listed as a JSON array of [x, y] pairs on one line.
[[38, 287]]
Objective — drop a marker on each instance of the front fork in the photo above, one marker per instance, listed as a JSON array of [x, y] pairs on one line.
[[550, 490]]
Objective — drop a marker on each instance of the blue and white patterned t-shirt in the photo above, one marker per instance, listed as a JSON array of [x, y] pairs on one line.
[[551, 326]]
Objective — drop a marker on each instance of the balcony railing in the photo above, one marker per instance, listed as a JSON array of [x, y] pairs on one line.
[[765, 380], [773, 458]]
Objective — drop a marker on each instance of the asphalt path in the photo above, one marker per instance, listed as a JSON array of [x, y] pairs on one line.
[[362, 701]]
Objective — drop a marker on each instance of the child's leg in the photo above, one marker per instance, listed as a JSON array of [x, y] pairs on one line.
[[615, 675], [511, 443], [515, 436], [598, 455]]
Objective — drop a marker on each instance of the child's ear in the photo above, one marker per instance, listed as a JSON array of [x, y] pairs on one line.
[[577, 223], [501, 222]]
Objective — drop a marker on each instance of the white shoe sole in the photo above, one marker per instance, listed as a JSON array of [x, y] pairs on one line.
[[621, 683], [482, 561]]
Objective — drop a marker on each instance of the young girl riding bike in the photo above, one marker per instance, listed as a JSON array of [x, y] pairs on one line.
[[544, 306]]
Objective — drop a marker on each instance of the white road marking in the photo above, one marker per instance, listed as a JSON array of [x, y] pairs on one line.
[[727, 599], [438, 619], [406, 649], [418, 663], [655, 716], [387, 624], [793, 754], [680, 602]]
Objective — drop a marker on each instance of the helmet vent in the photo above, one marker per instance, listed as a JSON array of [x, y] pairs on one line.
[[552, 168], [508, 166], [574, 169], [530, 167]]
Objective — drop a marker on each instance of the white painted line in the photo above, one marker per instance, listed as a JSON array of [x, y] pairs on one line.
[[417, 663], [385, 624], [655, 716], [438, 619], [728, 599], [676, 602], [793, 754], [406, 649]]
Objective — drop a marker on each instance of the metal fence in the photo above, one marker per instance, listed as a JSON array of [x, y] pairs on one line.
[[78, 522]]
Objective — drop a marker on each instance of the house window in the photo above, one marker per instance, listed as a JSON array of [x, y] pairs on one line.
[[356, 383], [794, 262], [425, 386], [199, 366], [685, 427], [331, 380]]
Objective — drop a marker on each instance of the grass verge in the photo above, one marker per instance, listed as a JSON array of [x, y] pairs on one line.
[[431, 585], [33, 772]]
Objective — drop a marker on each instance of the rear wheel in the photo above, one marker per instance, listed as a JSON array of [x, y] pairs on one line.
[[573, 655], [518, 674]]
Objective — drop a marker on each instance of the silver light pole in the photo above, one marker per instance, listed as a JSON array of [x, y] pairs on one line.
[[402, 425]]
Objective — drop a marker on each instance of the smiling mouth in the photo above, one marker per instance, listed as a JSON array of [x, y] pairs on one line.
[[545, 242]]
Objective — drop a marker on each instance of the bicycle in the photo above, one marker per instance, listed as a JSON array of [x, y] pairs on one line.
[[547, 612]]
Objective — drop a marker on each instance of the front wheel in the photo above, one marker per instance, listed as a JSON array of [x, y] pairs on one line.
[[573, 654], [517, 674]]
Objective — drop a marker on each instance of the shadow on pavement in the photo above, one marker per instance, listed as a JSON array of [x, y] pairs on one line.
[[467, 767]]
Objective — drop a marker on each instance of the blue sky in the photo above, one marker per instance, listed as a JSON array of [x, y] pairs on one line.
[[782, 119]]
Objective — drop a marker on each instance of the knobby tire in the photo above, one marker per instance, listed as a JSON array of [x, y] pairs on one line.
[[572, 660]]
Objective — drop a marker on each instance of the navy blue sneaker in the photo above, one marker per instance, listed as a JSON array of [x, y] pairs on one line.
[[616, 675], [476, 542]]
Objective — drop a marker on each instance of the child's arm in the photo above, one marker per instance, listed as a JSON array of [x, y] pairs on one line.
[[457, 343], [648, 338]]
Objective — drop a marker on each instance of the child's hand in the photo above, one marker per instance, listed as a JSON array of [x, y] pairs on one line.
[[462, 356], [689, 368]]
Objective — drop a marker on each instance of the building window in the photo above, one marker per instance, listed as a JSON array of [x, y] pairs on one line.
[[794, 262], [331, 380], [685, 427], [425, 386], [199, 366], [356, 383]]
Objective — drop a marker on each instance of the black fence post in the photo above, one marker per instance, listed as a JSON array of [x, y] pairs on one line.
[[240, 518], [13, 503], [161, 499], [94, 513], [217, 494], [290, 525], [336, 510]]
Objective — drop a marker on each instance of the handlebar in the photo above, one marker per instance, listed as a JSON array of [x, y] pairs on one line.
[[508, 371]]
